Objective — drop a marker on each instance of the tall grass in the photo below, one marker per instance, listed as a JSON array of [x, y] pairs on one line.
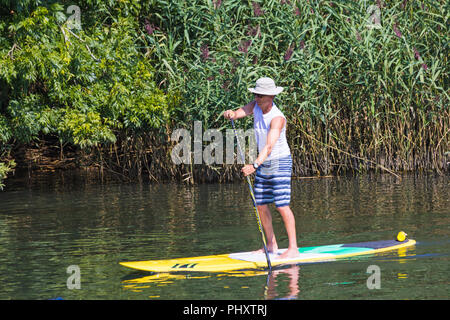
[[367, 81]]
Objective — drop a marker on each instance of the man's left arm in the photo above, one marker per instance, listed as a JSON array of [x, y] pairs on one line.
[[276, 125]]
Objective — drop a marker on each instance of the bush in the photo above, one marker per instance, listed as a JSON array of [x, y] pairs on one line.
[[363, 81], [83, 86], [5, 168]]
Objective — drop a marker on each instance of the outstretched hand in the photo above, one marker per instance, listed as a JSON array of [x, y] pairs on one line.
[[229, 114], [248, 169]]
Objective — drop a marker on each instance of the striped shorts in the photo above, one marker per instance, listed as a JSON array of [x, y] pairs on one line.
[[273, 182]]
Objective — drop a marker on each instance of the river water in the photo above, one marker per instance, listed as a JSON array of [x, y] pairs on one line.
[[54, 228]]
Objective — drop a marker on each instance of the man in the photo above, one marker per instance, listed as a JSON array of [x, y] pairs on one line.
[[273, 165]]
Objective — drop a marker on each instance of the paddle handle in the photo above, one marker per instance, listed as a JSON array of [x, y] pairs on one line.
[[252, 195]]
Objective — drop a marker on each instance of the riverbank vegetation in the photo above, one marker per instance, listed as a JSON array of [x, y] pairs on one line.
[[105, 83]]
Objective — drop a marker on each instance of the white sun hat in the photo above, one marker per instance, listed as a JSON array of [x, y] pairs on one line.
[[266, 86]]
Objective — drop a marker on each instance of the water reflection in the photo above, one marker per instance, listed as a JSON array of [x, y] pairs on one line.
[[274, 282], [282, 284], [402, 252], [140, 283]]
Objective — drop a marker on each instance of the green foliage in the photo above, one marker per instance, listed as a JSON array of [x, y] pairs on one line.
[[324, 52], [85, 130], [83, 86], [5, 168], [5, 129]]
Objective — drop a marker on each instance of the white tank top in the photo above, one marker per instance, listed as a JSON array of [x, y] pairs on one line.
[[261, 124]]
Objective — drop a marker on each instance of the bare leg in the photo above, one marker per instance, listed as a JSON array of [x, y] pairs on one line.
[[266, 221], [289, 223]]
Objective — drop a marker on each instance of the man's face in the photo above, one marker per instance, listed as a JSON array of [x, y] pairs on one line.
[[262, 99]]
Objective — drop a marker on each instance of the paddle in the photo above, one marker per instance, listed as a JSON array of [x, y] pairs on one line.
[[254, 201]]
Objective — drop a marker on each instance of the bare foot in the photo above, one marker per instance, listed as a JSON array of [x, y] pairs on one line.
[[271, 250], [289, 254]]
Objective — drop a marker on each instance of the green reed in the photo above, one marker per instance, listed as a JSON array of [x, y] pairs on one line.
[[365, 80]]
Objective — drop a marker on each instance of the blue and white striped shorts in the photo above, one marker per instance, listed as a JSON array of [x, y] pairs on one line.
[[273, 182]]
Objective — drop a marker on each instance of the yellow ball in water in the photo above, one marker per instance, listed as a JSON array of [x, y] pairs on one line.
[[401, 236]]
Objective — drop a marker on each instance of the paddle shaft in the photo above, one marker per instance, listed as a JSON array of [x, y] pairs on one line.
[[252, 195]]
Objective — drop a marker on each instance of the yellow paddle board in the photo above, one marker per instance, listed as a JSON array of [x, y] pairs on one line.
[[252, 260]]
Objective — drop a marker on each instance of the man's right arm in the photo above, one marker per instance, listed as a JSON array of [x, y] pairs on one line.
[[241, 112]]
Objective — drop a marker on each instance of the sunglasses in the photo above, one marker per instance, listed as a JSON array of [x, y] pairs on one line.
[[258, 95]]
